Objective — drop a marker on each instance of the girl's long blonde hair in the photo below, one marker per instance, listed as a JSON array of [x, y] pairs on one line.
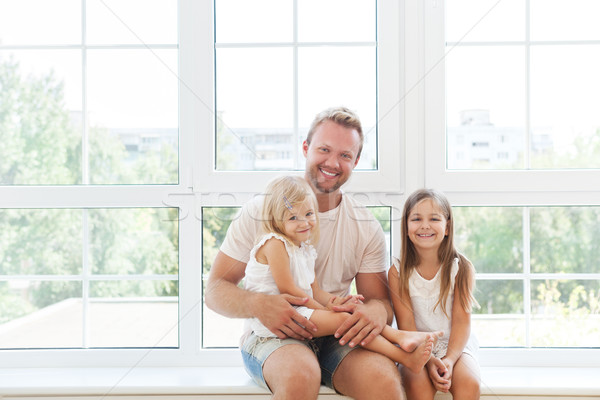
[[280, 194], [409, 257]]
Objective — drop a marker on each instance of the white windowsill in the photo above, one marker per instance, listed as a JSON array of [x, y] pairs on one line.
[[496, 381]]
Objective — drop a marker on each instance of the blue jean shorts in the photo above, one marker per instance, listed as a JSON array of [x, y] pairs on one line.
[[256, 350]]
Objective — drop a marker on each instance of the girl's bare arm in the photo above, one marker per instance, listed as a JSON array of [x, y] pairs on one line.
[[405, 319], [274, 254]]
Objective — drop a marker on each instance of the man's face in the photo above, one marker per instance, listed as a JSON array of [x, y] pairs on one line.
[[331, 156]]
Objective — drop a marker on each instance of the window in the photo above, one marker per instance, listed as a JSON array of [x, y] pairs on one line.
[[272, 80], [518, 213], [90, 133], [274, 71]]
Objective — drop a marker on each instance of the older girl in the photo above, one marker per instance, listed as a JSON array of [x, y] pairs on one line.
[[432, 289]]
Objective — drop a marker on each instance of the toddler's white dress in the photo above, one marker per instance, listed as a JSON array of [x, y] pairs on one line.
[[424, 295], [259, 278]]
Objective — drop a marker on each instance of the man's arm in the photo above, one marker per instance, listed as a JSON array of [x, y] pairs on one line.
[[274, 311], [368, 319]]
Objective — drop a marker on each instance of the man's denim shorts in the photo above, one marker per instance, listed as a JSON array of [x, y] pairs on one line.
[[256, 350]]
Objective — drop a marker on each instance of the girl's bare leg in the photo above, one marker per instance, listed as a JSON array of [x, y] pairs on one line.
[[328, 321], [466, 380]]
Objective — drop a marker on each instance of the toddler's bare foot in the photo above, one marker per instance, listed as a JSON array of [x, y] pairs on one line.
[[410, 340], [419, 357]]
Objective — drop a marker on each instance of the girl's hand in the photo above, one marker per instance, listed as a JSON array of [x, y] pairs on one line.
[[440, 374], [349, 299]]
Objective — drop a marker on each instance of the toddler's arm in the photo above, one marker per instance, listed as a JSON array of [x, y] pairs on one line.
[[274, 254]]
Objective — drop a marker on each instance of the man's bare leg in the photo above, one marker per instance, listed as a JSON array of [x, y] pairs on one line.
[[363, 374], [293, 372]]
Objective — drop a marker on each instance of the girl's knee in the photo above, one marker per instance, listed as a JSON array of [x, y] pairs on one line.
[[469, 388]]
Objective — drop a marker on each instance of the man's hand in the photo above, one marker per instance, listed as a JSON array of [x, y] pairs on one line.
[[277, 314], [366, 322]]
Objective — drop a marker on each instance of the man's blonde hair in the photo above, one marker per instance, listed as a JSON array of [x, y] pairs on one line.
[[341, 116]]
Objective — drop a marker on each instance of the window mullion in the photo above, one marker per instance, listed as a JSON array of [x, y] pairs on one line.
[[527, 274]]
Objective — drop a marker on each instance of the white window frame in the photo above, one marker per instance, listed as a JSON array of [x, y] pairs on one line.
[[482, 188]]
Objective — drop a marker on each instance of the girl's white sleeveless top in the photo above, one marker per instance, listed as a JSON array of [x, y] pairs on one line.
[[259, 279], [424, 295]]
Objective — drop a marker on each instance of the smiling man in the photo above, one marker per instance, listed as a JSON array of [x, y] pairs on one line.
[[351, 247]]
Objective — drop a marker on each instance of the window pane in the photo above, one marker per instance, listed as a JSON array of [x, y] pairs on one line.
[[564, 19], [136, 251], [133, 314], [566, 110], [531, 118], [28, 22], [354, 21], [500, 322], [495, 243], [323, 81], [131, 21], [485, 115], [272, 80], [40, 117], [565, 313], [217, 330], [565, 239], [485, 20], [255, 109], [134, 241], [243, 21], [40, 242], [220, 331], [40, 314], [133, 110]]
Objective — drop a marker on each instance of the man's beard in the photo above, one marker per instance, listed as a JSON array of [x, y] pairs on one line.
[[315, 182]]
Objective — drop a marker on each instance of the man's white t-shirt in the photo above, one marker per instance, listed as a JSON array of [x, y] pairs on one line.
[[351, 242]]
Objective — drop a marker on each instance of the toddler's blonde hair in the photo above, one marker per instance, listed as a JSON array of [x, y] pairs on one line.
[[282, 192]]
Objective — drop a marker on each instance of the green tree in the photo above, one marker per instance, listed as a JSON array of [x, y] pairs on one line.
[[491, 238], [38, 142]]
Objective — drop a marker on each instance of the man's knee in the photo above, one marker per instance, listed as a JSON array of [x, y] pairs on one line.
[[364, 374], [293, 372]]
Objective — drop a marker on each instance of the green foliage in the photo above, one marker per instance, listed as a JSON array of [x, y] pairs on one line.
[[490, 237], [584, 152], [38, 142], [215, 222], [383, 215], [571, 232], [11, 304], [559, 305]]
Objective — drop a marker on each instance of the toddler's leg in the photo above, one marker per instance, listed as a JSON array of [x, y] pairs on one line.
[[327, 323]]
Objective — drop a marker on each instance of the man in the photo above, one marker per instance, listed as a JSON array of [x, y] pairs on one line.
[[351, 247]]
